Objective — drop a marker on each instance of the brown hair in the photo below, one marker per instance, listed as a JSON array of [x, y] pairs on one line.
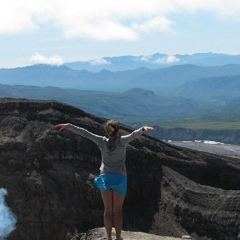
[[114, 124]]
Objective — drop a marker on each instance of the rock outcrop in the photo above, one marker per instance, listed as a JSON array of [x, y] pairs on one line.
[[172, 191]]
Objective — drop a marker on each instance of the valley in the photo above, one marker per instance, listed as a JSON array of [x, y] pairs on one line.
[[184, 101], [175, 118]]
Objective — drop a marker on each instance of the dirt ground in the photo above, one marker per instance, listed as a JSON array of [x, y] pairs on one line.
[[100, 234]]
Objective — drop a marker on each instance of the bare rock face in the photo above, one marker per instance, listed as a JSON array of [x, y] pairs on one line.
[[172, 191]]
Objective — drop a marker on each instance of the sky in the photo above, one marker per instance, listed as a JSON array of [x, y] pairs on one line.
[[59, 31]]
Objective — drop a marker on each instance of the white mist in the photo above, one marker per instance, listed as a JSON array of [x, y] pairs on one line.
[[7, 218]]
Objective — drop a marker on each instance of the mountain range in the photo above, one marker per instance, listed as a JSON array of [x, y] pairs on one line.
[[130, 105], [157, 60], [221, 86], [162, 80]]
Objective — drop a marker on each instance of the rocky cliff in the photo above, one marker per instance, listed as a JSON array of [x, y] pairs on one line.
[[172, 191]]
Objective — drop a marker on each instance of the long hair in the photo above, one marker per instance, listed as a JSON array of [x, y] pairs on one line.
[[114, 124]]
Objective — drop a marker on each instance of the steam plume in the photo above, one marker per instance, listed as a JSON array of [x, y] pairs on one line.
[[7, 218]]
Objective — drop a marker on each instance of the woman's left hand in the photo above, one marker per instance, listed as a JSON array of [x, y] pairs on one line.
[[62, 127]]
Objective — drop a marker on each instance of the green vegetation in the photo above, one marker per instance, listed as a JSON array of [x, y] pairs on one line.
[[196, 125], [176, 118]]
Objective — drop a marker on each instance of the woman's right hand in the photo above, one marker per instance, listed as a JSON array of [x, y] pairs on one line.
[[146, 128], [62, 127]]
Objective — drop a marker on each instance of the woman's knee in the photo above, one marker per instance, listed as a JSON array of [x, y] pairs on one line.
[[117, 212], [108, 213]]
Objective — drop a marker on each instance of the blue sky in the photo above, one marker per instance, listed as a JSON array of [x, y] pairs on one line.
[[58, 31]]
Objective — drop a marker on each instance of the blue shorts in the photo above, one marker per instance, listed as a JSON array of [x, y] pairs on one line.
[[113, 181]]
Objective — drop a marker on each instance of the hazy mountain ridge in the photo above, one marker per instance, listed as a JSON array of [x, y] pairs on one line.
[[133, 104], [159, 80], [221, 86], [157, 60]]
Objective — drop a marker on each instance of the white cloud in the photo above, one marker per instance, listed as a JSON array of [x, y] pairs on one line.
[[103, 30], [155, 24], [229, 8], [168, 59], [99, 61], [15, 18], [162, 60], [145, 58], [52, 60], [172, 59], [105, 19]]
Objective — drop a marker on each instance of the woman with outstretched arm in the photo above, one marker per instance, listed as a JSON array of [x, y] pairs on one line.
[[112, 180]]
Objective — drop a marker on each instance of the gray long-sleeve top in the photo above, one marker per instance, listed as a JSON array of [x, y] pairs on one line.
[[113, 159]]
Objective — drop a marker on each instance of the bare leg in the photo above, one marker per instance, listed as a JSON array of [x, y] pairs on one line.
[[107, 197], [118, 200]]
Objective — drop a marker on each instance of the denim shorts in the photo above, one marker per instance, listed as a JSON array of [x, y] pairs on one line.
[[112, 181]]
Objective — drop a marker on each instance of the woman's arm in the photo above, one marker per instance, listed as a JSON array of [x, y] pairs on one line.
[[80, 131], [135, 134]]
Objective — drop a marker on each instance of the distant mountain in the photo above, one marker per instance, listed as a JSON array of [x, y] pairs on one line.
[[61, 76], [157, 60], [221, 86], [40, 75], [161, 80], [212, 120], [174, 76], [131, 105]]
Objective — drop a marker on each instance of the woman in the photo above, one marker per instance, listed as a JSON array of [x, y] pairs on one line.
[[112, 180]]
